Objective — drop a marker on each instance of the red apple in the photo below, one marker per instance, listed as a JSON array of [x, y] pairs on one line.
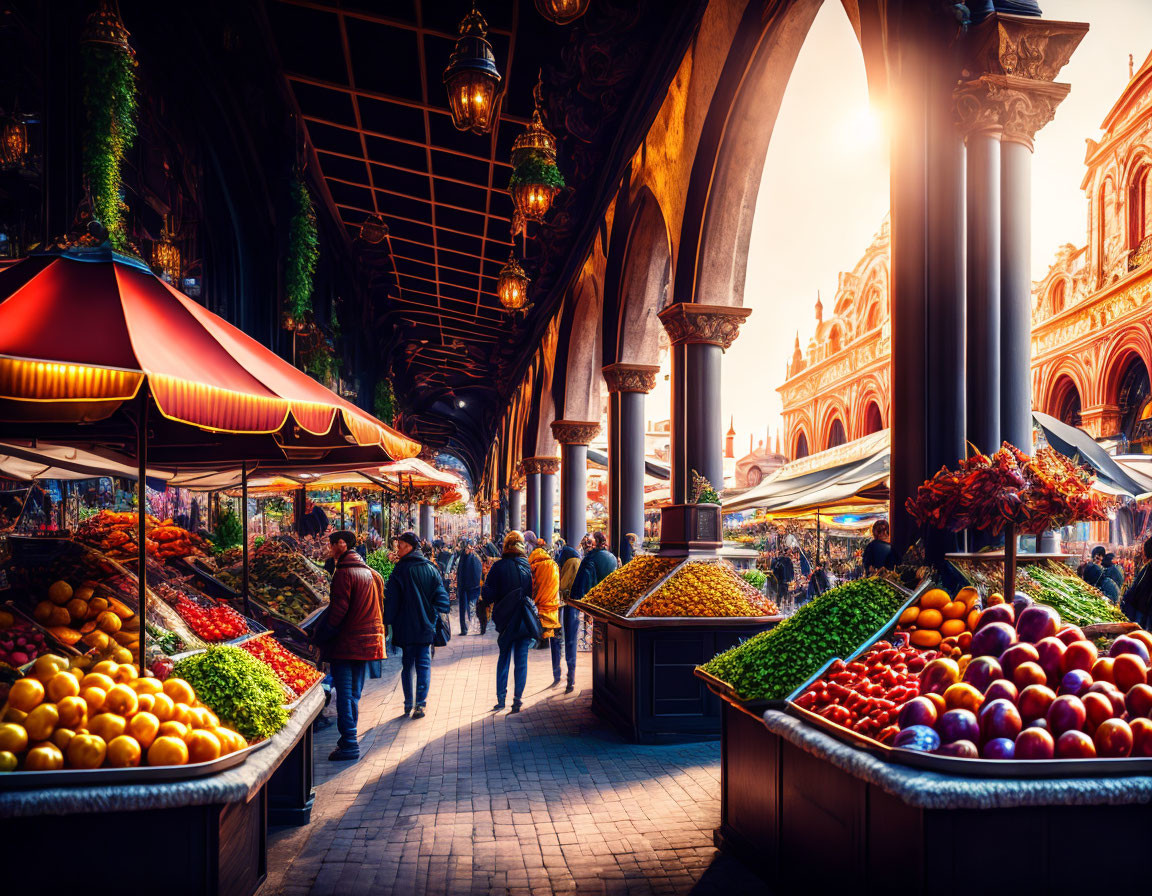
[[1070, 634], [938, 676], [1066, 713], [1001, 689], [1000, 719], [1037, 623], [1034, 702], [1141, 736], [1110, 691], [918, 711], [1027, 674], [1138, 701], [981, 672], [1079, 655], [1051, 653], [1097, 709], [1102, 669], [1035, 743], [1129, 670], [1075, 745], [1114, 738], [963, 696], [1017, 654]]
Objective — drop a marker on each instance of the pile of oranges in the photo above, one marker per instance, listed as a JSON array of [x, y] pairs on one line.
[[106, 717], [940, 621]]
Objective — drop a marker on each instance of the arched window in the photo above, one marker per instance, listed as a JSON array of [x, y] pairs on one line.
[[873, 319], [1133, 400], [836, 434], [1102, 228], [1066, 405], [1137, 207], [801, 447], [873, 421], [834, 341], [1056, 297]]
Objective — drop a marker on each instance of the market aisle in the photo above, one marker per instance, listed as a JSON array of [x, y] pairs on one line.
[[468, 801]]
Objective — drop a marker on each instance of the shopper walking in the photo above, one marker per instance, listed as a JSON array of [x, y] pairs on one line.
[[1113, 572], [414, 598], [568, 564], [546, 595], [878, 554], [597, 564], [468, 581], [508, 591], [1137, 603], [352, 635]]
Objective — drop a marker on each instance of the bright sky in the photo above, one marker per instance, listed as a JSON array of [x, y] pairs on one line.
[[825, 186]]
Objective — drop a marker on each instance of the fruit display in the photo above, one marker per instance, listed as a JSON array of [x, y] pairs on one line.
[[620, 590], [288, 667], [772, 664], [278, 564], [211, 620], [61, 717], [239, 688], [115, 534], [84, 619], [937, 620], [293, 602], [20, 641], [702, 588]]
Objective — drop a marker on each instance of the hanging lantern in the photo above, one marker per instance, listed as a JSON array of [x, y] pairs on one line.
[[535, 178], [13, 142], [562, 12], [166, 258], [512, 287], [104, 26], [374, 230], [471, 77]]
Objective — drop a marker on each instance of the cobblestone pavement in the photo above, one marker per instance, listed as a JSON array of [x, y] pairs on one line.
[[469, 801]]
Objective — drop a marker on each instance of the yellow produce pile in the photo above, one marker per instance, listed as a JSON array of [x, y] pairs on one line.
[[83, 619], [60, 717], [618, 591], [701, 588]]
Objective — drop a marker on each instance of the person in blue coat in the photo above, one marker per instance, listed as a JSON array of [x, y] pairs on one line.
[[510, 580], [597, 565], [468, 576]]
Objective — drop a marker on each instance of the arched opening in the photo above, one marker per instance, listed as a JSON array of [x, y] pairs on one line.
[[1133, 400], [1056, 297], [801, 449], [873, 420], [834, 341], [1065, 405], [872, 321], [836, 434], [1103, 229], [644, 282], [1138, 207]]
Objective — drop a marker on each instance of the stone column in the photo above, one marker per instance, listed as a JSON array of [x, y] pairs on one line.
[[574, 436], [627, 386], [699, 335], [546, 468], [515, 503], [483, 508], [427, 521], [494, 517], [531, 496]]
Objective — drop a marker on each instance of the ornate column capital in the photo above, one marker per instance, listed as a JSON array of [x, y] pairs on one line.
[[1015, 108], [537, 465], [630, 377], [1023, 46], [691, 322], [483, 507], [575, 432], [517, 484]]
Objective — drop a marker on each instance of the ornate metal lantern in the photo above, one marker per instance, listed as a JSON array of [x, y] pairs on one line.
[[374, 230], [535, 178], [471, 77], [166, 258], [512, 287], [13, 142], [104, 26], [562, 12]]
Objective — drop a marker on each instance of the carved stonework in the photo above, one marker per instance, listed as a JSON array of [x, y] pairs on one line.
[[517, 484], [1014, 107], [1100, 422], [541, 465], [690, 322], [1024, 46], [1087, 321], [483, 507], [630, 377], [575, 432]]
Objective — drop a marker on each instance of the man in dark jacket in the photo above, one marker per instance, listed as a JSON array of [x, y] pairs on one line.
[[597, 564], [784, 573], [1137, 603], [507, 590], [413, 600], [443, 556], [878, 554], [467, 584], [568, 560], [357, 636]]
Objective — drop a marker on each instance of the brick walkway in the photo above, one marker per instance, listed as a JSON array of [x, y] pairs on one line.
[[470, 801]]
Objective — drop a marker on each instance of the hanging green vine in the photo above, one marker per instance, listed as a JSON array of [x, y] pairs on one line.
[[536, 169], [303, 252], [110, 115], [385, 403]]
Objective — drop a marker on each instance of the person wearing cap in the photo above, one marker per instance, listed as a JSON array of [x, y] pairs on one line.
[[598, 564], [414, 598], [468, 580], [567, 560], [1093, 574], [354, 635], [510, 579]]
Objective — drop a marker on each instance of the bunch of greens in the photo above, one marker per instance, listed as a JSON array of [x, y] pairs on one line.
[[229, 531], [755, 578], [379, 561], [303, 252], [1075, 600], [773, 664], [239, 688], [384, 405], [110, 129], [703, 491], [536, 169]]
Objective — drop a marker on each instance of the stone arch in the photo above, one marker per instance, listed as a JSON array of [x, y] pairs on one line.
[[873, 419], [1132, 343], [1065, 402], [834, 412], [800, 445], [1057, 295], [1136, 198], [645, 281], [837, 434], [835, 339], [582, 376]]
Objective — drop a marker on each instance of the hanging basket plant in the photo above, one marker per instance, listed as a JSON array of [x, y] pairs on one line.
[[110, 103], [303, 253], [385, 403], [534, 183]]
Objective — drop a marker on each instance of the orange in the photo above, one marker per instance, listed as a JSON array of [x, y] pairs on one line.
[[121, 700], [62, 737], [61, 685], [77, 609], [97, 680], [73, 712], [13, 737], [227, 745], [953, 627], [144, 727], [173, 729], [909, 616], [929, 619], [203, 746], [94, 697], [124, 752], [954, 610], [145, 702], [105, 667], [14, 715], [168, 751], [42, 721], [182, 712], [925, 638], [44, 758], [180, 691], [1102, 669], [86, 751], [163, 707], [147, 686], [48, 665], [125, 673], [8, 761], [202, 717], [107, 725], [967, 596], [26, 694], [936, 599]]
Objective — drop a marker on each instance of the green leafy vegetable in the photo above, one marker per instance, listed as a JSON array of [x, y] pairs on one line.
[[379, 561], [239, 688]]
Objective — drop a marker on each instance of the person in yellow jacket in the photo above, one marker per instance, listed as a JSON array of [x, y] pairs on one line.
[[546, 592]]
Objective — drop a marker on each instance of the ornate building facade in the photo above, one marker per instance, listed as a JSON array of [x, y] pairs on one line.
[[1091, 313]]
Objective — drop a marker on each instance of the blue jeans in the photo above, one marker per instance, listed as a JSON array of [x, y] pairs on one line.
[[348, 679], [467, 599], [570, 621], [520, 649], [556, 645], [418, 665]]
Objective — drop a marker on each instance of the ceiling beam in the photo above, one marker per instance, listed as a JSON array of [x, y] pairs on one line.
[[316, 119]]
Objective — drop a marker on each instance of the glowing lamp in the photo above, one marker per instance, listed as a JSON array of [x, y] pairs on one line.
[[512, 287], [471, 78], [166, 259], [562, 12], [13, 141]]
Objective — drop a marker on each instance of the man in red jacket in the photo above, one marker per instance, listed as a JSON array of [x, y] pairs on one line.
[[355, 619]]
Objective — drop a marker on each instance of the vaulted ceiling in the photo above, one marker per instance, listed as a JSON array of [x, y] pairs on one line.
[[367, 80]]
